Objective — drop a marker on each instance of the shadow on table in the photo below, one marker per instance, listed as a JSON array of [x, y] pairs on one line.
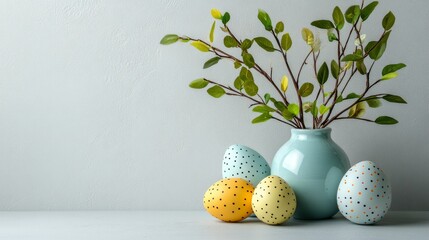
[[394, 219], [296, 222], [408, 218]]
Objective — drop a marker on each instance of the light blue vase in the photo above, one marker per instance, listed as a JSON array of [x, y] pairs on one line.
[[313, 165]]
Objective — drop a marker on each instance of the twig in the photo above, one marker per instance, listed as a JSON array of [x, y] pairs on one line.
[[295, 82], [256, 102], [362, 119]]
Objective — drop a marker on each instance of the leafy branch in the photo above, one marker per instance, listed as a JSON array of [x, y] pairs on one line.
[[329, 104]]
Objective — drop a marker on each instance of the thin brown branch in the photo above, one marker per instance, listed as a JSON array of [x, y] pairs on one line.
[[328, 121], [233, 36], [294, 80], [255, 101], [302, 65], [292, 125], [348, 80], [362, 119], [337, 80]]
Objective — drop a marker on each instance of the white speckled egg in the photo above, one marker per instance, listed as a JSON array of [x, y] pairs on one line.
[[243, 162], [273, 200], [364, 194]]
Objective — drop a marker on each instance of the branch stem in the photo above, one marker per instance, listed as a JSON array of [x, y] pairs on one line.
[[294, 80]]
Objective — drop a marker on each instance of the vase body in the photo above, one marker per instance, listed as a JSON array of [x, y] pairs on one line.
[[313, 165]]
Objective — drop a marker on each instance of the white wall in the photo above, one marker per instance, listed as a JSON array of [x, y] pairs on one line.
[[95, 114]]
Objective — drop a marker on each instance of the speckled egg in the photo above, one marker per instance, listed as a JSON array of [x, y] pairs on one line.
[[229, 199], [243, 162], [364, 194], [273, 201]]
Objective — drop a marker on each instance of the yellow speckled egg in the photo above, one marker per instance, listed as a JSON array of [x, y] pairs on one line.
[[273, 200], [229, 199]]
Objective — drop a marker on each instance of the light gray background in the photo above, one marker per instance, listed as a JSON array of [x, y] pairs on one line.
[[95, 114]]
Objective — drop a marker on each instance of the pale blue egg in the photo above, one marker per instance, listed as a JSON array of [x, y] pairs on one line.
[[364, 194], [243, 162]]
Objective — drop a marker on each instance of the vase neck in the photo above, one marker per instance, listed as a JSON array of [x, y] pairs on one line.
[[303, 134]]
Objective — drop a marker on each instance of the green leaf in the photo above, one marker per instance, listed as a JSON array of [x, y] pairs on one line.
[[280, 27], [331, 36], [279, 105], [339, 99], [293, 108], [389, 76], [358, 52], [248, 60], [360, 65], [265, 44], [373, 103], [338, 17], [377, 49], [323, 24], [388, 21], [263, 109], [385, 37], [225, 18], [286, 41], [211, 35], [230, 42], [370, 97], [314, 110], [352, 14], [323, 74], [352, 96], [169, 39], [370, 46], [184, 39], [335, 69], [238, 83], [247, 43], [287, 115], [200, 46], [237, 64], [386, 120], [246, 74], [323, 109], [394, 98], [326, 94], [392, 68], [267, 97], [211, 62], [366, 11], [251, 88], [358, 110], [306, 89], [199, 83], [348, 65], [262, 118], [351, 57], [265, 20], [216, 91]]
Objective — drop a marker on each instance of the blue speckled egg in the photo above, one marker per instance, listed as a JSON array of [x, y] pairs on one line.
[[243, 162]]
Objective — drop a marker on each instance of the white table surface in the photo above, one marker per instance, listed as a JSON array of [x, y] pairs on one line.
[[199, 225]]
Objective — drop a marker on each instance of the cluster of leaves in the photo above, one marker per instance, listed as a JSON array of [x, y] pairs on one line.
[[313, 100]]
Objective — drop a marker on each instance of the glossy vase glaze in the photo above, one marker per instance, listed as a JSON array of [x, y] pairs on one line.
[[313, 165]]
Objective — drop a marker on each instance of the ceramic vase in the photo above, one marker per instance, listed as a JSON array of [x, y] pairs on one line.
[[313, 165]]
